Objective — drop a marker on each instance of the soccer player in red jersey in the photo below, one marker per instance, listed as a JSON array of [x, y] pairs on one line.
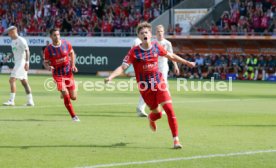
[[59, 58], [152, 86]]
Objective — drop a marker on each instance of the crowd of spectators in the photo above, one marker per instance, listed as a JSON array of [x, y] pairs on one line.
[[246, 17], [79, 17], [120, 17], [242, 67]]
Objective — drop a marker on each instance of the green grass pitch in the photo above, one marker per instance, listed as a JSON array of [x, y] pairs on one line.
[[210, 123]]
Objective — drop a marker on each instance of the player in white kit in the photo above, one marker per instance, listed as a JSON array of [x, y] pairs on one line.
[[21, 54], [162, 65], [130, 70]]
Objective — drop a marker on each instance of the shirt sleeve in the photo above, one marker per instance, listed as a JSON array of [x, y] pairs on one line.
[[136, 42], [129, 58], [46, 54], [24, 44], [170, 49], [70, 48], [161, 51]]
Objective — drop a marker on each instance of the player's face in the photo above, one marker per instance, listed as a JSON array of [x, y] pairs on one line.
[[55, 37], [160, 33], [145, 35], [13, 34]]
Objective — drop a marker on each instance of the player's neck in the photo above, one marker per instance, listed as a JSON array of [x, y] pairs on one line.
[[57, 43], [14, 37], [160, 39], [146, 46]]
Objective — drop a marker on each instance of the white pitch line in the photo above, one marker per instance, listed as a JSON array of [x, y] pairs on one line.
[[182, 158], [120, 104]]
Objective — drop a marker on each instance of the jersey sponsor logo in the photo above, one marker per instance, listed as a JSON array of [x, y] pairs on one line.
[[148, 67], [61, 60], [14, 48]]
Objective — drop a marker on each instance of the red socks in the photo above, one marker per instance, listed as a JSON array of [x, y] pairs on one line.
[[171, 118], [155, 116], [68, 105]]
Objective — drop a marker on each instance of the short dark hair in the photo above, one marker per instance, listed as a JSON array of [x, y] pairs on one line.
[[53, 30], [143, 25]]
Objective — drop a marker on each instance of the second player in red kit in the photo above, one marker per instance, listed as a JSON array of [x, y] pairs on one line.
[[60, 59]]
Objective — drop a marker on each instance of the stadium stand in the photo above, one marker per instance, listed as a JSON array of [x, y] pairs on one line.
[[232, 18], [79, 17], [244, 17], [223, 66]]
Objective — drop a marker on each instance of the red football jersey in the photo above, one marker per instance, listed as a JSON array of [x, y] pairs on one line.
[[145, 63], [59, 58]]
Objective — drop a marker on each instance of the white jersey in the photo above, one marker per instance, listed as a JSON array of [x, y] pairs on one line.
[[163, 61], [136, 42], [19, 47]]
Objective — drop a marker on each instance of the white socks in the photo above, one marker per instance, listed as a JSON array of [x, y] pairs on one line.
[[12, 97], [30, 97], [141, 104], [176, 138]]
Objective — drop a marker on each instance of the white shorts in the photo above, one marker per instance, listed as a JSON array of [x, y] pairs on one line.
[[164, 71], [19, 72]]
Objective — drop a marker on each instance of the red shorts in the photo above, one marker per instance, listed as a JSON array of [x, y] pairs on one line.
[[65, 82], [157, 96]]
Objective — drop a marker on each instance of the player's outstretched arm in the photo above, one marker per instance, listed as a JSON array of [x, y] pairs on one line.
[[176, 58], [118, 71]]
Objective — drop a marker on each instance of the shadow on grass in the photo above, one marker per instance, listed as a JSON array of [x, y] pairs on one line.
[[110, 112], [116, 145], [105, 115], [93, 115]]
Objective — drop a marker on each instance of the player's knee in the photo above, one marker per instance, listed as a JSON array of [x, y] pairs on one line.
[[156, 110], [12, 80], [166, 102], [24, 83], [73, 97]]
